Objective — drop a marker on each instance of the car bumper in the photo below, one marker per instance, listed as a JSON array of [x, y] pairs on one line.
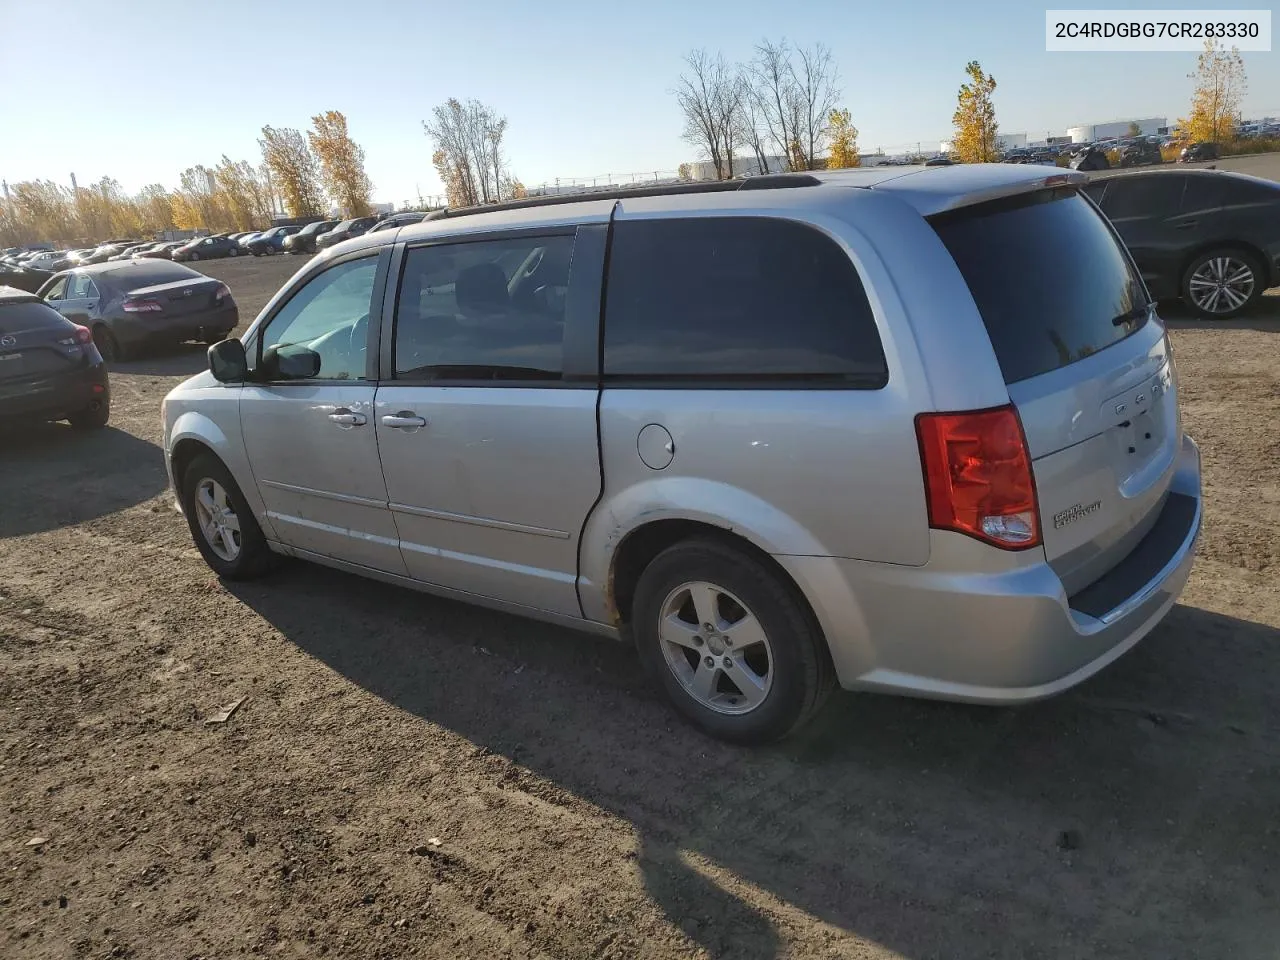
[[952, 630], [216, 323], [56, 396]]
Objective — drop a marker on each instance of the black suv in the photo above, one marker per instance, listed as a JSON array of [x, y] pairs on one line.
[[1140, 153], [1208, 236], [1198, 151], [49, 366]]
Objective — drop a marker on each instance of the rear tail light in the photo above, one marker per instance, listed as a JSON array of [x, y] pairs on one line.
[[221, 293], [144, 305], [81, 337], [978, 480]]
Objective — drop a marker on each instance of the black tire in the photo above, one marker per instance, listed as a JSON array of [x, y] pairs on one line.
[[233, 252], [92, 417], [1232, 259], [107, 344], [802, 674], [193, 256], [255, 557]]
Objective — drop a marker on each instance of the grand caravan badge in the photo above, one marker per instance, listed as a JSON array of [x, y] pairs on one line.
[[1074, 513]]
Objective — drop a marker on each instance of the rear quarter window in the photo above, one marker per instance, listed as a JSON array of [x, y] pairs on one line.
[[722, 299], [1047, 274]]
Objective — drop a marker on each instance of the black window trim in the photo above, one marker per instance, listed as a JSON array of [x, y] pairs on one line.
[[579, 357], [786, 381], [374, 332]]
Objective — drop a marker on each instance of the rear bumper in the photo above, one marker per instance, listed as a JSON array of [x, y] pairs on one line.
[[216, 322], [952, 630], [55, 397]]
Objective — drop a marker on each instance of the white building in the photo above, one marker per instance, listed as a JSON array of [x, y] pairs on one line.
[[742, 167], [1092, 132]]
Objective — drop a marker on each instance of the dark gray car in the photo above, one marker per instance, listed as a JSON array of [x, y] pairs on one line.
[[132, 303]]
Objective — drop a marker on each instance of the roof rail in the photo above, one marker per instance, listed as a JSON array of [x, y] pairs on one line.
[[767, 181]]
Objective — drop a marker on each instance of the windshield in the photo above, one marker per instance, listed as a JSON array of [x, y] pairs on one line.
[[1052, 282]]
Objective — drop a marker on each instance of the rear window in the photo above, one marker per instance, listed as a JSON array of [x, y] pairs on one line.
[[723, 299], [149, 273], [1050, 279], [30, 315]]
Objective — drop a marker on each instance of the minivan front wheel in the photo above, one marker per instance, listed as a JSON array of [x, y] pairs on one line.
[[732, 645], [1222, 283], [222, 524]]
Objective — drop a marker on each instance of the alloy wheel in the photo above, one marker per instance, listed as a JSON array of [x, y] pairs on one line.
[[716, 648], [218, 520], [1221, 284]]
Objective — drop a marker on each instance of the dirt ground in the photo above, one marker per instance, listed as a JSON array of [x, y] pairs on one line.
[[409, 777]]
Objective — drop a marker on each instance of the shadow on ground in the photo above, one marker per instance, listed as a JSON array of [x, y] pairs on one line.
[[180, 360], [53, 476], [1263, 316], [1132, 817]]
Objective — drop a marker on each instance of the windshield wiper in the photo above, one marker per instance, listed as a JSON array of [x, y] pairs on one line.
[[1137, 313]]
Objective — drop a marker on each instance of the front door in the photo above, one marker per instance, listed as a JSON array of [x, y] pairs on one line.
[[488, 443], [80, 300], [310, 433], [1146, 212]]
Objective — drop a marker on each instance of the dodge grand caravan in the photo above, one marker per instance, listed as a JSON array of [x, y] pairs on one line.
[[902, 431]]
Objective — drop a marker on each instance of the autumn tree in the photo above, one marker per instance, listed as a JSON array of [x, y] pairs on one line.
[[975, 118], [685, 172], [39, 210], [844, 140], [154, 208], [341, 163], [1220, 86], [468, 155], [294, 170]]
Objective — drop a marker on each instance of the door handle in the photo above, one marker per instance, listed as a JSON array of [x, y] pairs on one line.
[[345, 418], [404, 420]]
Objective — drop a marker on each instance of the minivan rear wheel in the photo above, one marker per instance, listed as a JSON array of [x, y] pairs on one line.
[[222, 524], [732, 645], [1222, 283]]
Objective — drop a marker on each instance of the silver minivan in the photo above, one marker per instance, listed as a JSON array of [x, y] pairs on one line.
[[912, 431]]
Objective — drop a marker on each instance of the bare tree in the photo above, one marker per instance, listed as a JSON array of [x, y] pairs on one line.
[[699, 95], [816, 80], [752, 129], [776, 96], [468, 154]]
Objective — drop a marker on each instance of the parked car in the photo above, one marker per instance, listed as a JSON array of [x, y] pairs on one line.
[[78, 256], [344, 231], [269, 241], [161, 251], [128, 252], [1140, 153], [206, 248], [304, 241], [1090, 158], [1193, 152], [939, 162], [105, 251], [394, 221], [1211, 237], [237, 237], [138, 302], [43, 259], [28, 279], [49, 366], [730, 439]]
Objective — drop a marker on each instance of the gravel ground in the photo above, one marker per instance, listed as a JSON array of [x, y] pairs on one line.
[[409, 777]]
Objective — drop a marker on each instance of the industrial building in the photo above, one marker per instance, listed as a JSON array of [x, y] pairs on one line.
[[1092, 132]]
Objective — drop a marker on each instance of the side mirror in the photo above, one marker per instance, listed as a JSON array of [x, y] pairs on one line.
[[291, 362], [227, 362]]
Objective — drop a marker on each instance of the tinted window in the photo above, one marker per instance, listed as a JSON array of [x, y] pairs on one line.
[[736, 298], [149, 273], [488, 310], [1157, 195], [16, 317], [1048, 277], [329, 315], [1202, 193]]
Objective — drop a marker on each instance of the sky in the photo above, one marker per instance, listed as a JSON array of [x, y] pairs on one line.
[[139, 90]]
